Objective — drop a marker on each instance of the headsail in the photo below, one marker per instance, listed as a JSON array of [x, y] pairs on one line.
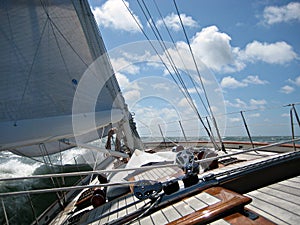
[[45, 49]]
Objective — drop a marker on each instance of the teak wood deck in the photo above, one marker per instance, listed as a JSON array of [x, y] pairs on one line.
[[279, 203]]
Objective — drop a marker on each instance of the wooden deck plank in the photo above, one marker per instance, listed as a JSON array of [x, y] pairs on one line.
[[114, 206], [195, 203], [106, 209], [130, 199], [226, 201], [220, 222], [122, 203], [276, 201], [275, 207], [266, 214], [146, 221], [95, 213], [291, 184], [154, 174], [207, 198], [170, 213], [281, 194], [135, 223], [287, 189], [296, 179], [149, 175], [159, 217], [183, 208]]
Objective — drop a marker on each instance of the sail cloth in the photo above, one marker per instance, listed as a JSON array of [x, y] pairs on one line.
[[46, 46]]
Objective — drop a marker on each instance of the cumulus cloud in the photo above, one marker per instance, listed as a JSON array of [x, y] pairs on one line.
[[214, 49], [287, 89], [295, 82], [131, 90], [279, 14], [274, 53], [132, 95], [254, 80], [238, 103], [172, 21], [114, 14], [254, 115], [122, 80], [125, 65], [234, 119], [160, 86], [184, 103], [255, 102], [231, 82], [252, 104]]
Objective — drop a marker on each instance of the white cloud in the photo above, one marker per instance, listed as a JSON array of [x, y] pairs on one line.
[[279, 14], [254, 80], [160, 86], [235, 119], [237, 104], [254, 115], [132, 95], [274, 53], [253, 104], [296, 81], [285, 115], [194, 91], [114, 14], [214, 49], [122, 80], [184, 103], [287, 89], [231, 82], [172, 21], [125, 65]]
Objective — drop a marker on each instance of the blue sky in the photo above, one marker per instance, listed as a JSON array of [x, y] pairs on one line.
[[249, 53]]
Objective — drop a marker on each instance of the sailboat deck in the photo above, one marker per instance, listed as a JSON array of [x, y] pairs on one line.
[[278, 202]]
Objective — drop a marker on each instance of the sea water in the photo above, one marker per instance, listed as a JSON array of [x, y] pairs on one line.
[[22, 209]]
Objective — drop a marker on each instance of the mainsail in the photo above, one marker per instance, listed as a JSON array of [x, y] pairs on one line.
[[46, 46]]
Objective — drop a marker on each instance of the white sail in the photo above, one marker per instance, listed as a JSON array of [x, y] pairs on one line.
[[46, 46]]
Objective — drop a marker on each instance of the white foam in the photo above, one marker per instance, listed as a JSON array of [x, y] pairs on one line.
[[16, 168]]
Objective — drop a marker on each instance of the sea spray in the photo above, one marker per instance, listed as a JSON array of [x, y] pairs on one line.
[[23, 209]]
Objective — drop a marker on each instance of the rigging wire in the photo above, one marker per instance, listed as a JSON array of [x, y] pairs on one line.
[[177, 50], [169, 57], [189, 100], [163, 46], [201, 81]]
